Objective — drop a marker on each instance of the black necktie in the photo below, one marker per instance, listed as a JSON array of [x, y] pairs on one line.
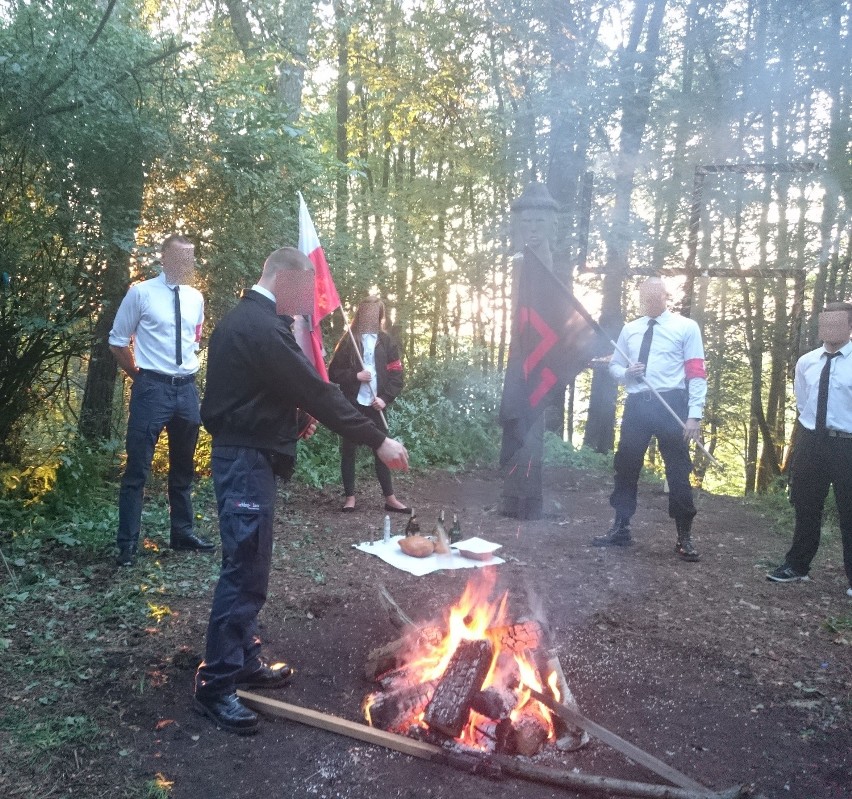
[[645, 348], [178, 348], [822, 394]]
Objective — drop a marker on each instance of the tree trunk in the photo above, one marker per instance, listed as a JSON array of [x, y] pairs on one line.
[[600, 427], [121, 214]]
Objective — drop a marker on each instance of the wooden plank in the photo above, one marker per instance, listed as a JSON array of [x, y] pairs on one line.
[[616, 742], [425, 751], [351, 729]]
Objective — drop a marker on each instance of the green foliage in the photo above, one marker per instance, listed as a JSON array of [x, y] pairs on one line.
[[40, 738], [158, 788], [318, 461], [562, 453], [446, 417]]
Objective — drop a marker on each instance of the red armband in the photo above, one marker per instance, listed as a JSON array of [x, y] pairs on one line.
[[395, 366], [694, 367]]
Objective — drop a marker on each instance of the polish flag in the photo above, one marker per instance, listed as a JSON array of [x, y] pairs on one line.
[[325, 293], [326, 298]]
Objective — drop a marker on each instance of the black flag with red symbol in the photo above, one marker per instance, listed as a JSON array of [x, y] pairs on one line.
[[553, 339]]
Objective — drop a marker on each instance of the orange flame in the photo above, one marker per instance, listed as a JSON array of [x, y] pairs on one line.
[[476, 617]]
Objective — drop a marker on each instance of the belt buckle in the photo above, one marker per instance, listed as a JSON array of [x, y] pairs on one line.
[[176, 380]]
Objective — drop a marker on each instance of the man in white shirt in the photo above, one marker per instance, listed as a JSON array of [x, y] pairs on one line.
[[822, 456], [664, 351], [161, 318]]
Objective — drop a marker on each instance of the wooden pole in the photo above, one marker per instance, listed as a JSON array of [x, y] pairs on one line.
[[636, 754], [491, 765]]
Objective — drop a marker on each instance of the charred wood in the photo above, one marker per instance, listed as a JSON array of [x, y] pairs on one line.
[[449, 708]]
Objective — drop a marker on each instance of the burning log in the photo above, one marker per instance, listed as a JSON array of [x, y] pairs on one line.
[[391, 656], [527, 736], [393, 710], [494, 704], [513, 638], [449, 708]]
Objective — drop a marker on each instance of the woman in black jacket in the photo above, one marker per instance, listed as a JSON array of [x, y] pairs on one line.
[[371, 383]]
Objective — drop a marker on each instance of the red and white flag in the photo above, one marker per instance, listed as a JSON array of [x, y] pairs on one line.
[[326, 298]]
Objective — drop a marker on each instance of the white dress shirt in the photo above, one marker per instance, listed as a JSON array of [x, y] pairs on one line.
[[806, 388], [147, 317], [677, 353], [367, 392]]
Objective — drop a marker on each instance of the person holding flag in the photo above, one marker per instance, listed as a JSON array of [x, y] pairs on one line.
[[366, 365], [659, 358]]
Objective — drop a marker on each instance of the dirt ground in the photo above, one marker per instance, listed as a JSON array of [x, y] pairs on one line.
[[729, 678]]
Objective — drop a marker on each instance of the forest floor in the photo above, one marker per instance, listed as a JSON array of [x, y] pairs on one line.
[[727, 677]]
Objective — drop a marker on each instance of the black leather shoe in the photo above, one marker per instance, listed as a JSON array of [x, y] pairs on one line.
[[191, 542], [228, 713], [125, 557], [276, 676]]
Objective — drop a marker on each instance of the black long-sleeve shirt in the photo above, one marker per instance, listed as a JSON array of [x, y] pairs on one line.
[[258, 378]]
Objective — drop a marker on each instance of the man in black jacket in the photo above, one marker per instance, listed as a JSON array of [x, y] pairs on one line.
[[258, 381]]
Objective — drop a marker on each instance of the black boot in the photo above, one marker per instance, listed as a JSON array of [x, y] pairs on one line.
[[617, 536], [684, 547]]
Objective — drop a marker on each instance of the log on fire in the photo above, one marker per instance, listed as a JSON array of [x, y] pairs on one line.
[[461, 682], [513, 638], [395, 710]]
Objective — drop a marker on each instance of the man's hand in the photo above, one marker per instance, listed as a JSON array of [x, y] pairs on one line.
[[378, 403], [365, 375], [310, 429], [636, 371], [691, 429], [393, 454]]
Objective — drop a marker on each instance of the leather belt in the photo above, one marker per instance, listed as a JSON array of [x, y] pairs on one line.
[[172, 380], [838, 434]]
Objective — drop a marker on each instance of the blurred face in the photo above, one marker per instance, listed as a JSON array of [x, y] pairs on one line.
[[834, 328], [369, 317], [537, 227], [294, 292], [653, 298], [179, 264]]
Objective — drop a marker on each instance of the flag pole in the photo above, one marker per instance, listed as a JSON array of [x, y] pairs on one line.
[[601, 332]]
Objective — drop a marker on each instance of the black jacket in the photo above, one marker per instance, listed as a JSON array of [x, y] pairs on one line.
[[344, 368], [257, 378]]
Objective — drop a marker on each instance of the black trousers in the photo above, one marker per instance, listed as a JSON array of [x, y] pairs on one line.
[[348, 451], [245, 495], [155, 405], [818, 463], [644, 417]]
